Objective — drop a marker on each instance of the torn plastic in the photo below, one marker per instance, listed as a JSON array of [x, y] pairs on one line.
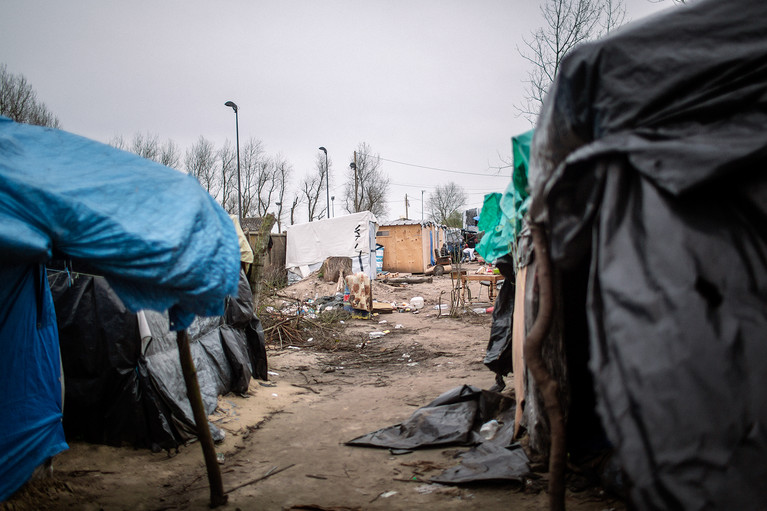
[[116, 393], [498, 354], [455, 418], [648, 167]]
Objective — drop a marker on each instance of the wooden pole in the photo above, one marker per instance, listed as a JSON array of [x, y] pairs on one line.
[[356, 204], [217, 496], [543, 379]]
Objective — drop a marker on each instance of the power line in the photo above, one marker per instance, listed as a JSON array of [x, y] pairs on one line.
[[435, 168], [428, 187]]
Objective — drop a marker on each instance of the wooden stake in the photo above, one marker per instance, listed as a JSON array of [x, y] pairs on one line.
[[217, 496], [543, 379]]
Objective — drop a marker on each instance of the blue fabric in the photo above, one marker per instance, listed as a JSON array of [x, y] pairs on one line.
[[30, 371], [155, 233]]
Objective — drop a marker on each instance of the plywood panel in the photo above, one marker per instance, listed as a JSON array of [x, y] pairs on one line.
[[403, 248]]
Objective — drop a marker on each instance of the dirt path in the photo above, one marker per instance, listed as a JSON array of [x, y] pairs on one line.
[[294, 427]]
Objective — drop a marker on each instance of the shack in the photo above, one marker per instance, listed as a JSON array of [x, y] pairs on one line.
[[409, 245]]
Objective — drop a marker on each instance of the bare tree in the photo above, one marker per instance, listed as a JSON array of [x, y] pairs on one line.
[[311, 189], [252, 162], [118, 141], [366, 185], [200, 162], [567, 23], [227, 169], [293, 207], [18, 100], [147, 146], [445, 204], [170, 156], [282, 169]]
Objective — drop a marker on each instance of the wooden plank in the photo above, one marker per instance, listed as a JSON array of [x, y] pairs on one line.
[[382, 307], [517, 343]]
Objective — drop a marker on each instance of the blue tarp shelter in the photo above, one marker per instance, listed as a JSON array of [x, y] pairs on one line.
[[162, 242]]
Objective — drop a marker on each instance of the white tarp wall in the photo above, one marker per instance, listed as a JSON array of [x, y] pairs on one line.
[[353, 236]]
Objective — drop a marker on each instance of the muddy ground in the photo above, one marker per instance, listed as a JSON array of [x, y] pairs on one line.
[[292, 429]]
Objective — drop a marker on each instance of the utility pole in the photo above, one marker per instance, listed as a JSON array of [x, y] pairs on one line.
[[356, 205], [422, 206], [406, 215]]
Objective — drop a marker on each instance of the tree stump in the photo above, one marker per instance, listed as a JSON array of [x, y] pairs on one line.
[[333, 267]]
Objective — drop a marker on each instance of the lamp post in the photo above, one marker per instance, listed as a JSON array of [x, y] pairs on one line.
[[333, 201], [237, 127], [327, 179], [422, 205]]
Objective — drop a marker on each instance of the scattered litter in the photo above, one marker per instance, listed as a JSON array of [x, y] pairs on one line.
[[397, 327], [398, 452], [480, 310], [272, 373], [310, 339], [443, 306], [220, 458], [378, 335], [412, 364], [426, 489], [382, 322], [387, 494], [489, 429], [293, 348], [274, 395], [416, 302]]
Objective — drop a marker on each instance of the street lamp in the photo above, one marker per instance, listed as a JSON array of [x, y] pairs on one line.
[[333, 201], [327, 179], [233, 106]]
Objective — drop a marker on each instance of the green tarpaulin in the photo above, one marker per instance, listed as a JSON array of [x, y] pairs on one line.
[[502, 214]]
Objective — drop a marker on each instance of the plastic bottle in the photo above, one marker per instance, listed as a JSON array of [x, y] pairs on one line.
[[417, 302], [489, 429]]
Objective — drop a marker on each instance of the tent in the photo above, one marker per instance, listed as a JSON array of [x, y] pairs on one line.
[[161, 241], [648, 172], [123, 378], [352, 236]]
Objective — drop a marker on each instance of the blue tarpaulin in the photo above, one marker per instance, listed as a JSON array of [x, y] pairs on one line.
[[159, 238], [30, 385]]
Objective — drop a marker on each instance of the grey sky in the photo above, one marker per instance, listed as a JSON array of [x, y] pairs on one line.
[[431, 83]]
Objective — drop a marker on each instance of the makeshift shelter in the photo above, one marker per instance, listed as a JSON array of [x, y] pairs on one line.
[[309, 244], [123, 378], [161, 241], [647, 172], [409, 246]]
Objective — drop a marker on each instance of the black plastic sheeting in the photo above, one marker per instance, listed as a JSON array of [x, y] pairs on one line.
[[115, 393], [649, 163], [455, 418], [498, 357]]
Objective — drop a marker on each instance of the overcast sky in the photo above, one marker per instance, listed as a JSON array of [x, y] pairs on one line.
[[423, 82]]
